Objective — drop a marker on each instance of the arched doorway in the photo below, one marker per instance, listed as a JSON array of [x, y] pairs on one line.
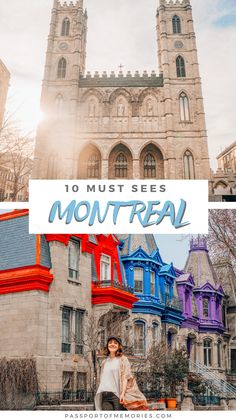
[[89, 163]]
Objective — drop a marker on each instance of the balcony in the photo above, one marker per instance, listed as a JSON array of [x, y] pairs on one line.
[[108, 292], [173, 310], [174, 303]]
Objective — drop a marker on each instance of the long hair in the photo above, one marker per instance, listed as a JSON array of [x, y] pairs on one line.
[[119, 351]]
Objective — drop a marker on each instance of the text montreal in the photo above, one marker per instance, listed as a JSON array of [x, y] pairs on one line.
[[147, 213]]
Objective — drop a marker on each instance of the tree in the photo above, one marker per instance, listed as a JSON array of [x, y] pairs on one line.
[[222, 232], [176, 370], [16, 154], [222, 246], [18, 383]]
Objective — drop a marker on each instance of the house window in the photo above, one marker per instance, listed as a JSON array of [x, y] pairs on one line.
[[105, 268], [94, 275], [152, 282], [223, 316], [187, 302], [205, 306], [116, 278], [121, 166], [61, 70], [81, 382], [155, 333], [93, 166], [79, 321], [65, 29], [74, 257], [103, 338], [149, 166], [184, 107], [68, 384], [219, 353], [138, 280], [66, 329], [139, 338], [180, 67], [169, 339], [207, 352], [233, 360], [176, 23], [189, 169]]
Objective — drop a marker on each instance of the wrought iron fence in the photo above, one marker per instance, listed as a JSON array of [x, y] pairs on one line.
[[202, 400], [152, 394], [65, 397]]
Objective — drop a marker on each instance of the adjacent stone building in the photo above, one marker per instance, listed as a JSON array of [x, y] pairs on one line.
[[223, 183], [137, 126], [227, 159]]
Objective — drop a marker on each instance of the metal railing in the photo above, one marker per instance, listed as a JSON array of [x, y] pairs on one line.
[[202, 400], [65, 397], [220, 386], [78, 397], [109, 283], [174, 302]]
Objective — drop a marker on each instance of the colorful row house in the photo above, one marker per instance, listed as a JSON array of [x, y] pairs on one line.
[[61, 296]]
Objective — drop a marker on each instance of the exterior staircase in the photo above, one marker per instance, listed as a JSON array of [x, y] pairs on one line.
[[220, 386]]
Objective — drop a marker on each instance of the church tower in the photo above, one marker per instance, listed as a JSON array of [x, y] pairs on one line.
[[65, 63], [184, 109]]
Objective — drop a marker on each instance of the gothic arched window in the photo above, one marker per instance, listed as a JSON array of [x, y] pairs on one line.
[[121, 166], [65, 29], [93, 167], [184, 107], [180, 67], [176, 22], [189, 169], [61, 70], [149, 166]]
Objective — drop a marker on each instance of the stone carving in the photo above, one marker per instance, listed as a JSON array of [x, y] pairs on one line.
[[92, 108], [120, 109], [149, 107]]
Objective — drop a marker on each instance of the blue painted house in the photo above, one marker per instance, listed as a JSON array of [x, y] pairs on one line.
[[154, 283]]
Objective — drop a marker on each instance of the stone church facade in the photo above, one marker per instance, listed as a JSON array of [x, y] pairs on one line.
[[136, 126]]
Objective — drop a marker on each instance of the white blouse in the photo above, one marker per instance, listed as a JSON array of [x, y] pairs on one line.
[[110, 380]]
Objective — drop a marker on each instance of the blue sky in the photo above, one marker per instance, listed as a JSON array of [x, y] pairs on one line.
[[127, 35], [174, 248]]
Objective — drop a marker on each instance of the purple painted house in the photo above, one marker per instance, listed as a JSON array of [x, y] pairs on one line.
[[202, 296]]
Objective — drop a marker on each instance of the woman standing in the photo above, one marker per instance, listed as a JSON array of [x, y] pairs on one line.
[[118, 389]]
